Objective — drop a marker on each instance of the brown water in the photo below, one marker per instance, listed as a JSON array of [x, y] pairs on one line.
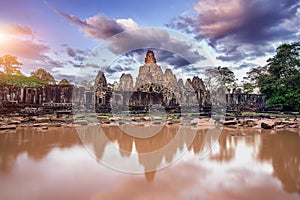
[[54, 164]]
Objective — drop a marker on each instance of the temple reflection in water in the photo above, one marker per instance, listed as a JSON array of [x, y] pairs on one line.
[[281, 151]]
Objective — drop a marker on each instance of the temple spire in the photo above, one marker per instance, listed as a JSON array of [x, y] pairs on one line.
[[150, 57]]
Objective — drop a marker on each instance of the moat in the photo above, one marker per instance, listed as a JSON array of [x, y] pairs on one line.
[[53, 164]]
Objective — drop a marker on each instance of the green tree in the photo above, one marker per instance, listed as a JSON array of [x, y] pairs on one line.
[[43, 75], [219, 76], [10, 65], [64, 82], [253, 75], [20, 81], [248, 87], [281, 83]]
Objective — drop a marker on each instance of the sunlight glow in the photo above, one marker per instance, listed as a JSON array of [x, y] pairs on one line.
[[2, 37]]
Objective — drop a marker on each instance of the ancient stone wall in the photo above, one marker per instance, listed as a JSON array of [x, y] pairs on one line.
[[153, 87], [13, 99]]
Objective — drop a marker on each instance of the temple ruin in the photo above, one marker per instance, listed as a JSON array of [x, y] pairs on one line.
[[155, 88], [152, 89]]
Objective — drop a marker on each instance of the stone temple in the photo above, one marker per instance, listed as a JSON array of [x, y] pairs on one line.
[[152, 87]]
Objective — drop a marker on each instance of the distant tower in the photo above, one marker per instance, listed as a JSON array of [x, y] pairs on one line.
[[150, 57]]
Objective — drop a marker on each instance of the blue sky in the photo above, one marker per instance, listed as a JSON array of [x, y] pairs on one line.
[[59, 34]]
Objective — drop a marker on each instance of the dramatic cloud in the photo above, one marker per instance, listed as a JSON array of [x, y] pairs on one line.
[[77, 54], [124, 36], [115, 69], [140, 40], [240, 29], [163, 57], [99, 26]]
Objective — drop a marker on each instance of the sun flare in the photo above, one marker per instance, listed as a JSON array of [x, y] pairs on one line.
[[2, 37]]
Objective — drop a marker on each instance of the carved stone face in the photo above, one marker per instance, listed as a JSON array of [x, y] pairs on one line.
[[150, 57]]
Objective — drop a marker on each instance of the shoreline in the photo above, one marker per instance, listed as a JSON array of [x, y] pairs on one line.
[[233, 123]]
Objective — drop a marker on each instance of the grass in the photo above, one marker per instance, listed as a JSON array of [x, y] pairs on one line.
[[279, 115]]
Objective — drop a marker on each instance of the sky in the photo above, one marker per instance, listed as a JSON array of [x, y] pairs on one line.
[[71, 39]]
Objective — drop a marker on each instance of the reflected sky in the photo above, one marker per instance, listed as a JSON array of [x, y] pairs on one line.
[[54, 164]]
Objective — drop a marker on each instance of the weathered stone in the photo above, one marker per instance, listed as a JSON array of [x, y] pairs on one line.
[[103, 94], [150, 57], [8, 127], [280, 126], [197, 83], [100, 80], [170, 79], [81, 122], [149, 73], [180, 83], [125, 82], [114, 119], [194, 122], [188, 84], [40, 124], [229, 123], [266, 125], [102, 117], [14, 122], [157, 118]]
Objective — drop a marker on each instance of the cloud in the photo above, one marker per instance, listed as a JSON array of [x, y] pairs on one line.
[[240, 29], [17, 29], [166, 58], [99, 26], [27, 49], [77, 54], [140, 40], [247, 65], [59, 76]]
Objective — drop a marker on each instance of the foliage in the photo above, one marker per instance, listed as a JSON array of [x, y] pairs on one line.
[[64, 82], [248, 87], [10, 65], [44, 76], [281, 83], [251, 80], [20, 81], [219, 77]]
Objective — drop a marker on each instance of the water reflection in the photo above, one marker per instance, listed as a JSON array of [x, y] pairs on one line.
[[53, 164], [35, 143], [283, 151], [138, 154]]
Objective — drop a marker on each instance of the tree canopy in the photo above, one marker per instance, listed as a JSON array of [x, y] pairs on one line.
[[219, 76], [44, 76], [64, 82], [10, 65], [281, 83], [20, 81]]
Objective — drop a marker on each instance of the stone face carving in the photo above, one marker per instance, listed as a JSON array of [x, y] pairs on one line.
[[103, 93], [180, 83], [188, 84], [100, 80], [169, 79], [197, 83], [126, 82], [153, 87], [150, 72], [150, 57]]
